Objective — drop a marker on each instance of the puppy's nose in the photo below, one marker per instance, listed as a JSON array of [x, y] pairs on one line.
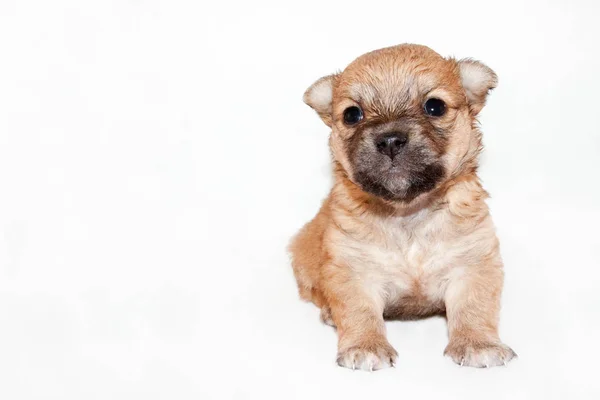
[[391, 143]]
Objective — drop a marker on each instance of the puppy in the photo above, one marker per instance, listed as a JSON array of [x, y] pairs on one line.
[[405, 231]]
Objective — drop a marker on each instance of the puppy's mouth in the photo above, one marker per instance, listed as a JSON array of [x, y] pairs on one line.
[[395, 183]]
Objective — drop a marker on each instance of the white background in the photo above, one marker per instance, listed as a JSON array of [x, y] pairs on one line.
[[156, 157]]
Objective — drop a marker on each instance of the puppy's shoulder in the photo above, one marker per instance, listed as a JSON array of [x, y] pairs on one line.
[[310, 237]]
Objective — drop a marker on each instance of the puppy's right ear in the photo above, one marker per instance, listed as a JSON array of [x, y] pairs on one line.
[[319, 96]]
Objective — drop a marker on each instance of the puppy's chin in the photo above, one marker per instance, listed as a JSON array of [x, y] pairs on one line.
[[402, 187]]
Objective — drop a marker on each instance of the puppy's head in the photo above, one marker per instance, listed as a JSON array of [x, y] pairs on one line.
[[402, 118]]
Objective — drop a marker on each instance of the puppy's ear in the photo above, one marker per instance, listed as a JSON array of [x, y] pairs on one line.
[[477, 80], [319, 96]]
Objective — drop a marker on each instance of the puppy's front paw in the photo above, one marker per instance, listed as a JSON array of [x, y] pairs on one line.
[[479, 354], [368, 356]]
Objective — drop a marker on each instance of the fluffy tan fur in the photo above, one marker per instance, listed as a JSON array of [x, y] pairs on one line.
[[363, 258]]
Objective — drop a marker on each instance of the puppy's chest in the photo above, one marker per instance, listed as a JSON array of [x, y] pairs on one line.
[[403, 256]]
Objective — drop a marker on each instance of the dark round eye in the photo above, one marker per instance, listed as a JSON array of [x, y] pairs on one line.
[[435, 107], [352, 115]]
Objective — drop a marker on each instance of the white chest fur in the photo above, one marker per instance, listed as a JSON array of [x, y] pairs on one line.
[[399, 257]]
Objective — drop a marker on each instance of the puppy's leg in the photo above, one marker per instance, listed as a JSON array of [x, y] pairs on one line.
[[358, 317], [472, 308]]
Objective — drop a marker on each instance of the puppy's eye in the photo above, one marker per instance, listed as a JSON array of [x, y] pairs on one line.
[[352, 115], [435, 107]]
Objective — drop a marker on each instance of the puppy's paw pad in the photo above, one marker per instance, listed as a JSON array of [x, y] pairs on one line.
[[368, 358], [479, 354]]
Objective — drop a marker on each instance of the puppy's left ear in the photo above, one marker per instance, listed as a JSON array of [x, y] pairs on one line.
[[477, 80], [320, 95]]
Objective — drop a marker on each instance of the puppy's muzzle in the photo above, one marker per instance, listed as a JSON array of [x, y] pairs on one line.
[[390, 144]]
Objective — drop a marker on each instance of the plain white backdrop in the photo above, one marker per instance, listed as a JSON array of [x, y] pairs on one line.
[[156, 157]]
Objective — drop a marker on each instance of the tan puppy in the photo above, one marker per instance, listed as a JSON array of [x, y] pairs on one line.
[[405, 231]]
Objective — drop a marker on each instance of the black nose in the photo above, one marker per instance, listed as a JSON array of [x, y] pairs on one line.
[[391, 143]]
